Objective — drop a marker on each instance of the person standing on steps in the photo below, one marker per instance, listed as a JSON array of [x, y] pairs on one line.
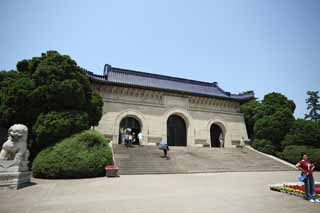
[[130, 139], [122, 136], [134, 138], [140, 137], [307, 167], [164, 146], [126, 139]]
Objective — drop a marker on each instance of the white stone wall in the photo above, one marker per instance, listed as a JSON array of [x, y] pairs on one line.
[[153, 108]]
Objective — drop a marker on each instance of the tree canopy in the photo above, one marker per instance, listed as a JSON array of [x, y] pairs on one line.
[[270, 118], [51, 86], [303, 132], [250, 111], [313, 107]]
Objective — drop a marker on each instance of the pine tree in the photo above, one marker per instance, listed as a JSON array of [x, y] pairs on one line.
[[313, 109]]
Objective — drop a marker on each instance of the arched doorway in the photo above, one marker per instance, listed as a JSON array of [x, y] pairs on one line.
[[129, 123], [216, 135], [176, 131]]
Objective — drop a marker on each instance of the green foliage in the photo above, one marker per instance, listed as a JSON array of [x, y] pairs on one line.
[[95, 109], [272, 102], [49, 83], [313, 106], [7, 77], [3, 135], [293, 154], [15, 96], [79, 156], [303, 132], [250, 110], [60, 95], [274, 127], [269, 121], [265, 146], [54, 126]]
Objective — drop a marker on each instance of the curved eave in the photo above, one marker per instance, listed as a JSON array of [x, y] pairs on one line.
[[101, 79]]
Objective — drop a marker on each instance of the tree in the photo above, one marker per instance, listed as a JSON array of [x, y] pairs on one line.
[[271, 119], [95, 109], [250, 110], [274, 127], [303, 132], [265, 146], [15, 100], [53, 86], [272, 102], [313, 106]]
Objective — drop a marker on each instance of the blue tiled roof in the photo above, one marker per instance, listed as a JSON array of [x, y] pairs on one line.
[[154, 81]]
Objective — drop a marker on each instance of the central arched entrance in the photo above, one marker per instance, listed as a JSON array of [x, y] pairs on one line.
[[176, 131], [129, 125], [217, 137]]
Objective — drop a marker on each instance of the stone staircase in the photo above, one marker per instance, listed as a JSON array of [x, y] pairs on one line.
[[147, 160]]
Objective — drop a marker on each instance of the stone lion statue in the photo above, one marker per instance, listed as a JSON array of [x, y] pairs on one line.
[[15, 148]]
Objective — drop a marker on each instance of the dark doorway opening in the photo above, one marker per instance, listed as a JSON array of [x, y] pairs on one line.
[[129, 125], [217, 137], [176, 131]]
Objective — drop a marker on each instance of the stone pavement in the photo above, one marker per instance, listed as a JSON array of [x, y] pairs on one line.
[[204, 193]]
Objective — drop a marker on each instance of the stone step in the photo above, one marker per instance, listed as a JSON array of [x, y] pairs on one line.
[[147, 160]]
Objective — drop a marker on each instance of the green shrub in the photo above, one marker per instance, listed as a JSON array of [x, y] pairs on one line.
[[314, 155], [293, 154], [264, 146], [80, 156], [55, 126], [303, 132]]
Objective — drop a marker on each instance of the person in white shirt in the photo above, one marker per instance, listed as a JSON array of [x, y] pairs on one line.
[[140, 137], [164, 146]]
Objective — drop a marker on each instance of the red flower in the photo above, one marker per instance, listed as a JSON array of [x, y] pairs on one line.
[[299, 187]]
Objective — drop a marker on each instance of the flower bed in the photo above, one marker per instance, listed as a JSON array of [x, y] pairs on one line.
[[296, 189]]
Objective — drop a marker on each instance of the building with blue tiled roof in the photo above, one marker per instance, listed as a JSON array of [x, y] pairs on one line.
[[182, 111]]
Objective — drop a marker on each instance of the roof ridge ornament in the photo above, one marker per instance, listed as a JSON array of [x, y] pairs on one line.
[[106, 69]]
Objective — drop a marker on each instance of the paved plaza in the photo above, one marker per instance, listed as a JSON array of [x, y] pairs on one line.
[[212, 192]]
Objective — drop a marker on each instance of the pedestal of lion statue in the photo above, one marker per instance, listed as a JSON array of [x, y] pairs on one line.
[[14, 171], [14, 174]]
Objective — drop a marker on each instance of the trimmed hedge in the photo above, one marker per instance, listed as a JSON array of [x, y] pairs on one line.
[[264, 146], [293, 154], [82, 155]]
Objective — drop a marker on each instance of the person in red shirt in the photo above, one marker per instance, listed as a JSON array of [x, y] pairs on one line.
[[307, 167]]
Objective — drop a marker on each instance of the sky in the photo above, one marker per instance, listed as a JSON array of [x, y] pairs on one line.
[[260, 45]]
